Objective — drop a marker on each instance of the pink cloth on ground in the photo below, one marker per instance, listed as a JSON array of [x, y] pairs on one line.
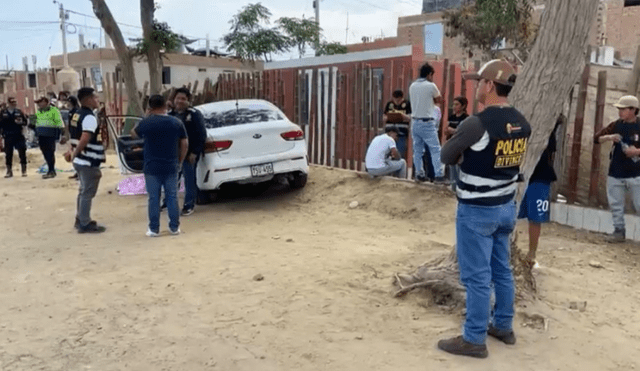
[[135, 185]]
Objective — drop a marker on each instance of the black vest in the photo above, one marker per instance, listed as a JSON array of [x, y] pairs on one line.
[[488, 177], [12, 123], [93, 154]]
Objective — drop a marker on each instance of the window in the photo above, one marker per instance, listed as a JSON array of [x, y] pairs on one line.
[[119, 74], [631, 2], [239, 116], [202, 70], [433, 37], [96, 76], [33, 80], [166, 75]]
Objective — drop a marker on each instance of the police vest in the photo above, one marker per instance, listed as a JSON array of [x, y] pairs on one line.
[[12, 123], [489, 175], [93, 154]]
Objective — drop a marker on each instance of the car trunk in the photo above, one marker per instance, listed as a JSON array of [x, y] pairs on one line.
[[254, 140]]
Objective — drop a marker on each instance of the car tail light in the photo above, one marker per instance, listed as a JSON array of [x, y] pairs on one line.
[[293, 135], [217, 145]]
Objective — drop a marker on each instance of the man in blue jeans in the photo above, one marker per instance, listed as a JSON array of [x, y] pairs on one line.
[[165, 148], [424, 96], [197, 134], [490, 147]]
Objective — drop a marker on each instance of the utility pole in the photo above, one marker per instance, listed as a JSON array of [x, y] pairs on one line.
[[316, 6], [346, 38], [63, 28]]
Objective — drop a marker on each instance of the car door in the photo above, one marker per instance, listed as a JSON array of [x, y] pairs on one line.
[[129, 149]]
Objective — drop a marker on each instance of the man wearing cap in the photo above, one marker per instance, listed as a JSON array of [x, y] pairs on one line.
[[49, 126], [424, 96], [87, 154], [489, 148], [12, 124], [624, 169], [383, 157]]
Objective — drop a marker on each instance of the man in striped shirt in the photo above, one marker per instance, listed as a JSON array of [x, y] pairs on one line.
[[87, 154]]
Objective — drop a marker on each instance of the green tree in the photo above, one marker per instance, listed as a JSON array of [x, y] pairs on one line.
[[331, 48], [251, 38], [484, 24], [302, 32]]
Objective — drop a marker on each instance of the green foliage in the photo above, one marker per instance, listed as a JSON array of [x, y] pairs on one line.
[[331, 48], [301, 32], [161, 35], [251, 38], [485, 23]]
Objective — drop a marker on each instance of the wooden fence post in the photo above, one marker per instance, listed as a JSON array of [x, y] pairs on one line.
[[595, 156], [476, 67], [576, 147]]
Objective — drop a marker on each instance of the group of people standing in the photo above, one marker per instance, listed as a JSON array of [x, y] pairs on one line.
[[173, 144]]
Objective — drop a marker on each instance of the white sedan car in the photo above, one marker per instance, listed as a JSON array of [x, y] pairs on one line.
[[248, 142]]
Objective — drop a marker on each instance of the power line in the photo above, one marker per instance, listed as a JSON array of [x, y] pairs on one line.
[[29, 22]]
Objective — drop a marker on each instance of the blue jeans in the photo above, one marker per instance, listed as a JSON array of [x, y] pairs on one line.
[[616, 194], [482, 243], [154, 184], [401, 146], [425, 135], [454, 169], [190, 188]]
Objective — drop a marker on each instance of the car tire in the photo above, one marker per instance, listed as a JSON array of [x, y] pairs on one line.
[[298, 181], [206, 197]]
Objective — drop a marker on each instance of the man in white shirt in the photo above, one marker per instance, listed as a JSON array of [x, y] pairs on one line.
[[383, 157], [424, 95]]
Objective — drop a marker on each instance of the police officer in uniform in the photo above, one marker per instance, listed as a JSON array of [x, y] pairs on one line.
[[489, 147], [197, 134], [87, 154], [12, 124], [397, 112]]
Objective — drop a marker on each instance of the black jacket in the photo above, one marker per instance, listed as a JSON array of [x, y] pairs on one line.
[[196, 132]]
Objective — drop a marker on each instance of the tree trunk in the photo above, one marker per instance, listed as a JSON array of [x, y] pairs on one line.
[[555, 63], [101, 10], [154, 59]]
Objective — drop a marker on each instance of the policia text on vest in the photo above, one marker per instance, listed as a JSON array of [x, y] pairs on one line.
[[510, 152]]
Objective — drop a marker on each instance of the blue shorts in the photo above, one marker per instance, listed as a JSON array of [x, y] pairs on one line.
[[535, 204]]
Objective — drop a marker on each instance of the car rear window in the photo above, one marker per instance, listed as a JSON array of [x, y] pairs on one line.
[[240, 116]]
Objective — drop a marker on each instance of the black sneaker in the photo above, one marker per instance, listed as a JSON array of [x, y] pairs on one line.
[[49, 175], [76, 225], [9, 173], [421, 178], [507, 337], [187, 211], [92, 228], [618, 236], [461, 347]]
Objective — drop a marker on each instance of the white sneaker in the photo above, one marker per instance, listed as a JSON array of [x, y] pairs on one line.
[[175, 233], [151, 233]]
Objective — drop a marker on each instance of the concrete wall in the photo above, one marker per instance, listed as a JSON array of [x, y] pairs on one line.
[[594, 220]]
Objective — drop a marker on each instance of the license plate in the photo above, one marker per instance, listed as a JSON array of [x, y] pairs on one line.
[[261, 170]]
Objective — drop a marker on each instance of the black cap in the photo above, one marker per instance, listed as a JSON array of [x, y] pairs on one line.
[[85, 92]]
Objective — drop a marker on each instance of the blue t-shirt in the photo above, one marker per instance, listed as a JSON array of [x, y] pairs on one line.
[[161, 136]]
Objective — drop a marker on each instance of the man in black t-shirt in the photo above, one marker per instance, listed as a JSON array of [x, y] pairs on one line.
[[535, 204], [165, 148], [624, 170], [397, 112]]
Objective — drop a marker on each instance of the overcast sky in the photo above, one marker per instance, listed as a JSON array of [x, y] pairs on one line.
[[24, 30]]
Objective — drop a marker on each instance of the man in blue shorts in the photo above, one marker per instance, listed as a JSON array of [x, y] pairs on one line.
[[535, 204]]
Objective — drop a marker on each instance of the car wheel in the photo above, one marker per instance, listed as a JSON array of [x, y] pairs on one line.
[[206, 197], [299, 180]]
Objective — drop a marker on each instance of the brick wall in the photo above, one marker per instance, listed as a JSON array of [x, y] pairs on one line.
[[622, 28], [389, 42]]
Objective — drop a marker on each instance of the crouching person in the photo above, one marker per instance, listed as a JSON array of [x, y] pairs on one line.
[[383, 157]]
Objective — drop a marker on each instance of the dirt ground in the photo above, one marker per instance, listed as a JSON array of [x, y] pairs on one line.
[[122, 301]]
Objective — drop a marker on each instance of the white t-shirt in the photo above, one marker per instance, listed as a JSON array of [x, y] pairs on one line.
[[421, 95], [378, 151]]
